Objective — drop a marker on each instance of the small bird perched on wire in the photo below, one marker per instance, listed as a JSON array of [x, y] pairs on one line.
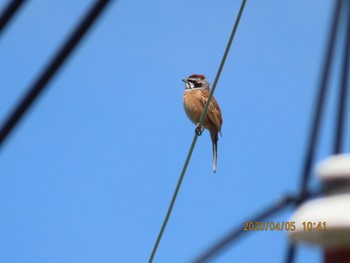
[[196, 94]]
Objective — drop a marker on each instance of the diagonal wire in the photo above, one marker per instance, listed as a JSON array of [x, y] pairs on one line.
[[222, 63], [343, 91], [319, 106], [320, 102], [41, 82], [290, 253], [196, 136], [9, 11], [239, 230]]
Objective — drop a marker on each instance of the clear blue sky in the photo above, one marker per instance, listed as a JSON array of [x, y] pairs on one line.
[[88, 174]]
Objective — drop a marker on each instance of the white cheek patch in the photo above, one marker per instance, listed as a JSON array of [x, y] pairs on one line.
[[189, 85]]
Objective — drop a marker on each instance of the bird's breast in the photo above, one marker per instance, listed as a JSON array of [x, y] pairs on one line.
[[193, 105]]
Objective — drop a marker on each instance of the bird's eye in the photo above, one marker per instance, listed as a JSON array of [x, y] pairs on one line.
[[195, 83]]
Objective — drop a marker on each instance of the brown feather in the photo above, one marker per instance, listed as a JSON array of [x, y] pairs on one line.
[[194, 103]]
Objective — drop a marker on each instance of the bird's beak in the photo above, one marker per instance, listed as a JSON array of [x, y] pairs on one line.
[[184, 80]]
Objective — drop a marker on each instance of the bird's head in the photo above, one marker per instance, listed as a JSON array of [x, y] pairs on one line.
[[196, 81]]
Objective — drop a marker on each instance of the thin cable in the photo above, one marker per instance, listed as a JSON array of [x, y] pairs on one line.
[[218, 74], [196, 136], [9, 11], [319, 106], [290, 253], [343, 91], [239, 230], [173, 198], [318, 111], [41, 82]]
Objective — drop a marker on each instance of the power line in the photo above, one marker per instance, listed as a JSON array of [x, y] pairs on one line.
[[238, 231], [318, 111], [218, 74], [196, 135], [290, 253], [41, 82], [320, 102], [343, 90], [310, 151], [9, 11]]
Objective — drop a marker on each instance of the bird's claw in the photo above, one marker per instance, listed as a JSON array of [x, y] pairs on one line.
[[199, 130]]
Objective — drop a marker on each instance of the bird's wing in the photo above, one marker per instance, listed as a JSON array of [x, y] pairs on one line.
[[214, 112]]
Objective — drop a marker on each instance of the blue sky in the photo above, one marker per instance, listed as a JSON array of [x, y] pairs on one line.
[[88, 175]]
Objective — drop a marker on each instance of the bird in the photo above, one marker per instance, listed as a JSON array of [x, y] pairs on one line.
[[197, 89]]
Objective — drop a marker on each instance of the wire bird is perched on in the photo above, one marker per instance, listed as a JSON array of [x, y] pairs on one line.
[[196, 94]]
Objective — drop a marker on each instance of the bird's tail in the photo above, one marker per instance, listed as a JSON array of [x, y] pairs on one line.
[[214, 139]]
